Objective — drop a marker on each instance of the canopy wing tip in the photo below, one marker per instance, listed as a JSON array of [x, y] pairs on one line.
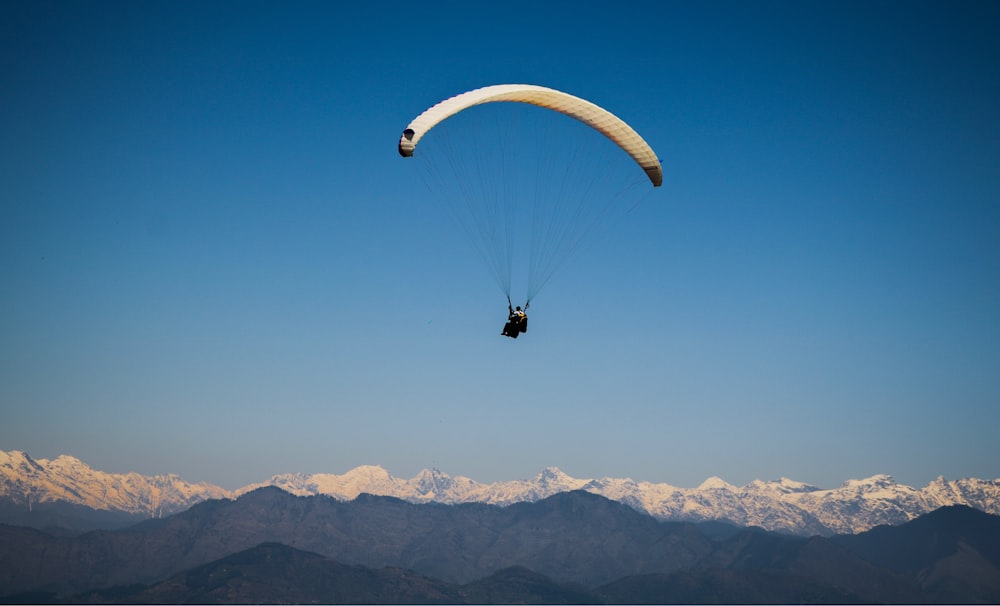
[[406, 143]]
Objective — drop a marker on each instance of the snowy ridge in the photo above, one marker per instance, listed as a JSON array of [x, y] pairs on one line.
[[24, 480], [782, 505]]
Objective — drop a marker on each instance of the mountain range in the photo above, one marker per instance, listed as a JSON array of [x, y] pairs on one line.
[[573, 547], [67, 493]]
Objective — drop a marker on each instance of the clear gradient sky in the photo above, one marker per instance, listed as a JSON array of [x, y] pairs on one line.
[[214, 263]]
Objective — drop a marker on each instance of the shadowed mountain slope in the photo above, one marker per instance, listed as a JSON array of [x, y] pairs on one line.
[[574, 539]]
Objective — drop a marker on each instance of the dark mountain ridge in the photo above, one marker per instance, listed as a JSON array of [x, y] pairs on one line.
[[274, 573], [574, 539], [60, 517], [953, 552]]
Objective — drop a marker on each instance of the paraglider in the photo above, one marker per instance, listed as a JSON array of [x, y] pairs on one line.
[[517, 321], [499, 186]]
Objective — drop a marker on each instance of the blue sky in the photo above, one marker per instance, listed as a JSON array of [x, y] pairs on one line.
[[214, 263]]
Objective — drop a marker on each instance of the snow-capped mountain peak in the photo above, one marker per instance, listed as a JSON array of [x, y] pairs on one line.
[[554, 478], [432, 482], [716, 483], [878, 481], [781, 486], [66, 478]]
